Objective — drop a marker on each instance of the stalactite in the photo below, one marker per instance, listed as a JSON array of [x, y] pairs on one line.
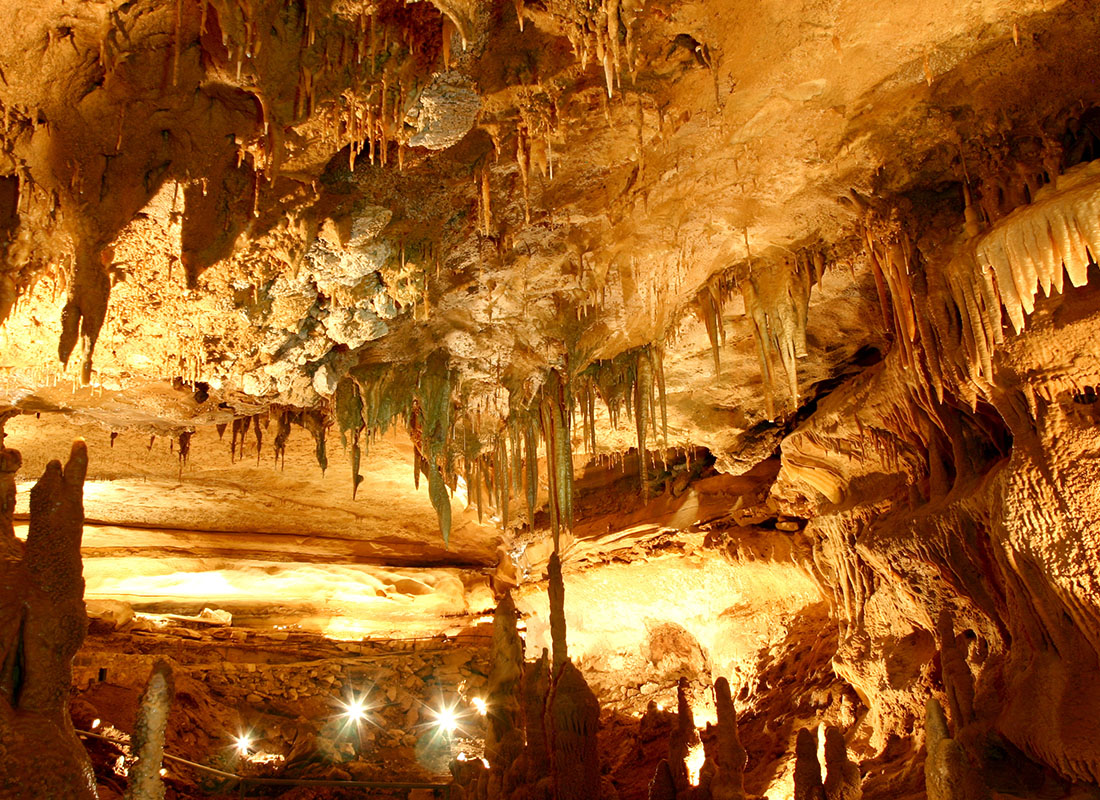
[[282, 433], [776, 300], [708, 306], [530, 447], [434, 394], [314, 422], [642, 383]]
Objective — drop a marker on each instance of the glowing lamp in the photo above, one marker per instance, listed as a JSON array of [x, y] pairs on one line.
[[480, 705], [96, 723], [446, 720], [243, 744], [355, 709]]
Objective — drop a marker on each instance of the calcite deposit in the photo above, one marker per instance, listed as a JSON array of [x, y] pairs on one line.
[[550, 400]]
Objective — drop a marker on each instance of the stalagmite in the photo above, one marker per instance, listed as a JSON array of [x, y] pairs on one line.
[[807, 769], [556, 588], [681, 739], [574, 717], [148, 739], [42, 625], [536, 688], [662, 787], [504, 737], [728, 781], [948, 774], [957, 679], [842, 778]]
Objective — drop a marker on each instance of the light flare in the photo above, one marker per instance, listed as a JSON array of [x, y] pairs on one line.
[[695, 759]]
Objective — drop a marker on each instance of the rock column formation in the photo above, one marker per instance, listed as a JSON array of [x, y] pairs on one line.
[[504, 739], [42, 624], [948, 774], [148, 740], [842, 778], [807, 769], [728, 781], [574, 715], [556, 589], [681, 739]]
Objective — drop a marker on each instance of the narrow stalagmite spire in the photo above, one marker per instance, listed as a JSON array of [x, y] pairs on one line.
[[948, 774], [536, 686], [842, 778], [681, 739], [807, 769], [574, 717], [148, 739], [663, 785], [958, 681], [505, 676], [729, 757], [557, 613]]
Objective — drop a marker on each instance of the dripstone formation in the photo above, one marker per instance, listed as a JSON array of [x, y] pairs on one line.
[[42, 625], [741, 358]]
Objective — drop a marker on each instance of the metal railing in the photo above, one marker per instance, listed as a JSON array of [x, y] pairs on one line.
[[243, 782]]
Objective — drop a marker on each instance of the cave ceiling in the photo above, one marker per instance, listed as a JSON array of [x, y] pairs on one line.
[[775, 320]]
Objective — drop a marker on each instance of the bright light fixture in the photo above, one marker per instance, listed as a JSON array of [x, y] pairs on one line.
[[96, 723], [480, 705], [447, 720], [243, 744], [355, 709]]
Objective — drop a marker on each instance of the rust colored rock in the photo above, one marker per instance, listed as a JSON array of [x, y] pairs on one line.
[[505, 677], [536, 685], [958, 681], [948, 773], [574, 718], [42, 624], [842, 778], [728, 782], [148, 739], [663, 786], [807, 769], [556, 589], [682, 737]]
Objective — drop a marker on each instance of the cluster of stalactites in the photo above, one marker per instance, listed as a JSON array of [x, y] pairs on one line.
[[777, 300], [634, 382], [499, 459], [949, 320], [356, 76], [599, 31]]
